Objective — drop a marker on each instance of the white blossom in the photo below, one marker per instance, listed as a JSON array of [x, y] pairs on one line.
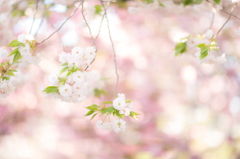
[[121, 95], [78, 52], [22, 38], [6, 88], [119, 103], [104, 126], [78, 77], [129, 105], [119, 125], [25, 50], [125, 111], [209, 34], [73, 61], [90, 52], [90, 11], [221, 59], [53, 79], [65, 90], [3, 53]]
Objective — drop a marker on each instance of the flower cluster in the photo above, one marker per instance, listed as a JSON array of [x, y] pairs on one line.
[[25, 49], [75, 84], [205, 47], [120, 107], [79, 57]]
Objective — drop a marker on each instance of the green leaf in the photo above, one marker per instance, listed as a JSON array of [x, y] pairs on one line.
[[203, 54], [187, 2], [14, 43], [203, 47], [90, 112], [160, 3], [17, 56], [93, 107], [110, 110], [64, 64], [93, 116], [97, 92], [6, 78], [62, 81], [198, 1], [69, 73], [10, 73], [149, 1], [98, 9], [104, 92], [180, 48], [217, 1], [114, 112], [50, 89], [213, 44], [107, 102], [119, 115], [128, 101], [63, 70], [104, 111], [13, 52], [133, 115], [48, 13]]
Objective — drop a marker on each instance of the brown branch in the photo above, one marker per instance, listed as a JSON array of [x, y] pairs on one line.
[[221, 10], [110, 37], [62, 24], [227, 19]]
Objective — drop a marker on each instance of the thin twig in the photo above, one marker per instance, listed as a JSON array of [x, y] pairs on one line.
[[40, 23], [96, 38], [89, 29], [227, 19], [221, 10], [110, 37], [34, 17], [61, 25], [212, 21]]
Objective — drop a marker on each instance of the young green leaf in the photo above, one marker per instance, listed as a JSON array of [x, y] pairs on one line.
[[133, 115], [97, 92], [93, 116], [128, 101], [50, 89], [93, 107], [110, 109], [149, 1], [10, 73], [13, 52], [187, 2], [203, 54], [17, 56], [217, 1], [90, 112], [104, 92], [104, 111], [107, 102], [180, 48], [14, 43], [119, 115], [160, 3], [6, 78], [98, 9], [63, 70], [64, 64]]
